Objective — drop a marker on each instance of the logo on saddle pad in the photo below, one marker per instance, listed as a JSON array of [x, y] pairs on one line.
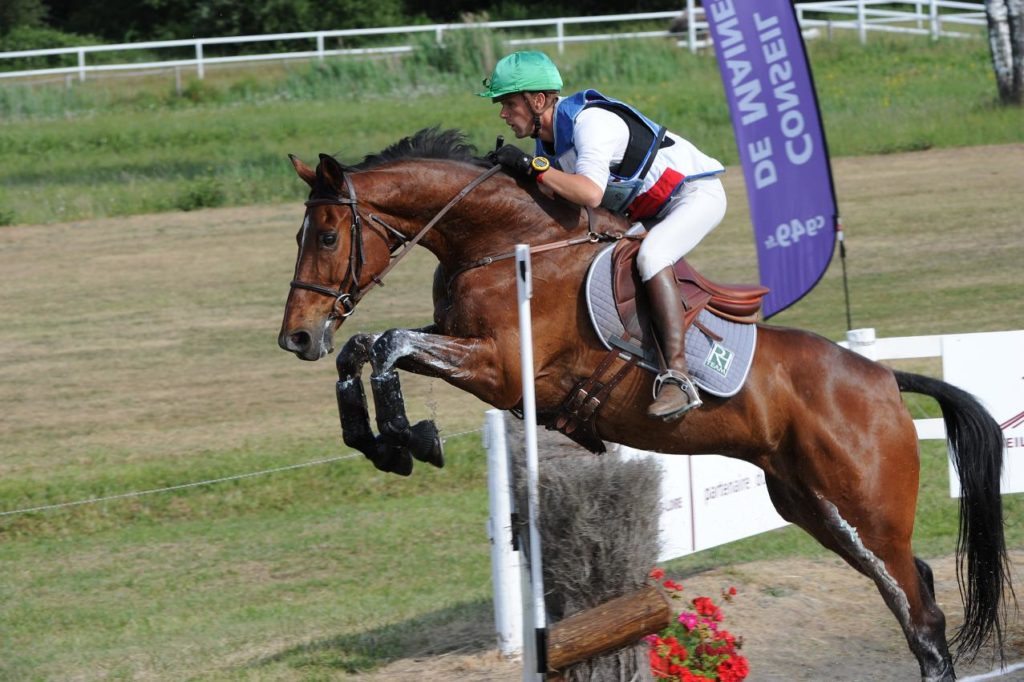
[[719, 359]]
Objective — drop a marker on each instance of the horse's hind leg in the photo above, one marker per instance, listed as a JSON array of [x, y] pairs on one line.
[[905, 582], [925, 571]]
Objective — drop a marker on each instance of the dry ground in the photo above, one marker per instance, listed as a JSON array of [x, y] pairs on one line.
[[801, 620]]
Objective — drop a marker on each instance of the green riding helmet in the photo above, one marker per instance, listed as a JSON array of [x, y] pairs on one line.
[[522, 72]]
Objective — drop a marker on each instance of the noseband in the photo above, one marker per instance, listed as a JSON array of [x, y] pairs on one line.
[[345, 301]]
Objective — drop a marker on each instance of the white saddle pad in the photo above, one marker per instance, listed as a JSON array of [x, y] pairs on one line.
[[718, 367]]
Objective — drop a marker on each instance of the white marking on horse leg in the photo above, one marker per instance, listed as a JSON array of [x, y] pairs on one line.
[[886, 583], [868, 561], [355, 353], [439, 353]]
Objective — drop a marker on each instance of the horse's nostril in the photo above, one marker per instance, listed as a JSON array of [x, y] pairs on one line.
[[300, 340]]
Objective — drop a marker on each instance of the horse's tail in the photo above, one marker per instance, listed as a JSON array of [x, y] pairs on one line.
[[982, 566]]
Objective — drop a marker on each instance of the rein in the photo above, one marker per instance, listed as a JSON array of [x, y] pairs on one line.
[[345, 301], [590, 238]]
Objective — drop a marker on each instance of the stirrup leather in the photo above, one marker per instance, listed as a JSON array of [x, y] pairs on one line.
[[683, 381]]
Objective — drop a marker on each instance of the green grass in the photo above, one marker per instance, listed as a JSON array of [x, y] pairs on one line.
[[151, 572], [224, 141]]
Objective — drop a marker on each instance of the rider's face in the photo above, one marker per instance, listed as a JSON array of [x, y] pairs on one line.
[[516, 112]]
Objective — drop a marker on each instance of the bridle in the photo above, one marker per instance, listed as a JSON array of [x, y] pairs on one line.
[[345, 300]]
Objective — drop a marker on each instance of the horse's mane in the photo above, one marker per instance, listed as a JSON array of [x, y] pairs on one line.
[[451, 145], [428, 143]]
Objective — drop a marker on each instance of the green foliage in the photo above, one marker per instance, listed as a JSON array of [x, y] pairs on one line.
[[463, 54], [28, 37], [205, 192], [895, 94], [432, 69], [198, 91], [176, 19], [16, 14]]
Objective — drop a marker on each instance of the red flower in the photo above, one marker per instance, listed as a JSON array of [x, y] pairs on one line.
[[733, 669], [672, 586], [695, 648], [657, 573], [706, 607]]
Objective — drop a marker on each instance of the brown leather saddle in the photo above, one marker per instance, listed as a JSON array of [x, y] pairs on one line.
[[736, 302]]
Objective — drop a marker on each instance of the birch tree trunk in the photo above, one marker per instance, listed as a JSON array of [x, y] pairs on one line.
[[1006, 41]]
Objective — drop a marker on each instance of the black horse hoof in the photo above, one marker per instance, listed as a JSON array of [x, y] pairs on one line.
[[425, 443], [392, 458]]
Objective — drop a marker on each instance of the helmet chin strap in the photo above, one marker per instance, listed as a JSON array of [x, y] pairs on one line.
[[536, 114]]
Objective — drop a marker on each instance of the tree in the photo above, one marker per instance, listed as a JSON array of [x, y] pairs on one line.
[[21, 14], [1006, 40]]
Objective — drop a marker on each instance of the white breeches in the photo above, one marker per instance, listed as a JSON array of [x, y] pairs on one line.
[[689, 217]]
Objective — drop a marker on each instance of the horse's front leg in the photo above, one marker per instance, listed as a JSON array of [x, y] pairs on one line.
[[468, 364], [355, 416]]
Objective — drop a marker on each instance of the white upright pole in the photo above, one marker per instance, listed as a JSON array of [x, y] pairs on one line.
[[508, 600], [524, 287], [862, 22], [691, 25]]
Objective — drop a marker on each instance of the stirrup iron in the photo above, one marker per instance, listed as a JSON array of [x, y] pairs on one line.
[[685, 383]]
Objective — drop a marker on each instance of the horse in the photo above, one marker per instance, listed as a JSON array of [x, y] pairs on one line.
[[827, 426]]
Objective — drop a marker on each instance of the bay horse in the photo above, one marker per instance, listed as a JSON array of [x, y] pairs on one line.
[[827, 426]]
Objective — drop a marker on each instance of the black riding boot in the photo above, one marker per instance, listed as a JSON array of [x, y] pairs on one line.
[[674, 390]]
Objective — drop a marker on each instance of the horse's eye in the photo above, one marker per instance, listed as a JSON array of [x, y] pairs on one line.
[[329, 238]]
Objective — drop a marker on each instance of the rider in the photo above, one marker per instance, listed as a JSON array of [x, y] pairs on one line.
[[596, 151]]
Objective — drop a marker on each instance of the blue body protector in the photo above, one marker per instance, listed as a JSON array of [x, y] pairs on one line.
[[645, 138]]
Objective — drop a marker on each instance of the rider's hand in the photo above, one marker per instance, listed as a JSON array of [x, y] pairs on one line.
[[513, 159]]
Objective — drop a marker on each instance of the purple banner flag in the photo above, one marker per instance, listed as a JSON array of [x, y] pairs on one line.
[[781, 142]]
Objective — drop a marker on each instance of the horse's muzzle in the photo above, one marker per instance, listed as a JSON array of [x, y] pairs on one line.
[[306, 344]]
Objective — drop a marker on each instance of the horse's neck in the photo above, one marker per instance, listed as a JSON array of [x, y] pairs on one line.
[[487, 221]]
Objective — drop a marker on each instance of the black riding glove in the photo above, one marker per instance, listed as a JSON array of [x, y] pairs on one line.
[[513, 159]]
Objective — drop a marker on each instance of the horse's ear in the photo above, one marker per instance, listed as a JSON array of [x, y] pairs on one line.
[[304, 171], [331, 172]]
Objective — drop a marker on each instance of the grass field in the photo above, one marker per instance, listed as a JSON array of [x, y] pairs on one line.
[[139, 352], [87, 153]]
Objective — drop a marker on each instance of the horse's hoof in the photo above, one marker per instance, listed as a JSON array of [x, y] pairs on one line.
[[392, 458], [425, 443], [364, 444]]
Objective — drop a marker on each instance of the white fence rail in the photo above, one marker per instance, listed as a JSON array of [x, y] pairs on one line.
[[921, 17]]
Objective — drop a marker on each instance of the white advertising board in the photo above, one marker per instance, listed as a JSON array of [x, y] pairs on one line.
[[968, 361], [676, 523], [707, 501], [730, 501]]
